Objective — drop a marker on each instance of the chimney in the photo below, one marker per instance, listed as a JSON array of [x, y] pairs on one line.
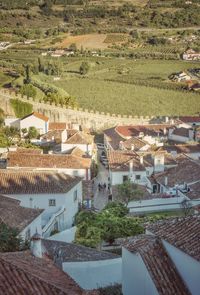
[[166, 119], [131, 166], [36, 245], [165, 131], [166, 180], [141, 160], [132, 147]]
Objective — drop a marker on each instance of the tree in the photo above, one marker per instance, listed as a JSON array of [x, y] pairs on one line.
[[28, 90], [40, 65], [84, 68], [27, 79], [9, 240], [116, 209], [32, 133], [129, 191], [11, 133]]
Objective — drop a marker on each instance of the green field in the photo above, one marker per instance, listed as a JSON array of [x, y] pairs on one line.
[[124, 94]]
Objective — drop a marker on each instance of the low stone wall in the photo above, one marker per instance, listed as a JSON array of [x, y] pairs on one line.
[[87, 118]]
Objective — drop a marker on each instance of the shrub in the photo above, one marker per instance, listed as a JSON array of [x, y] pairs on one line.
[[21, 108]]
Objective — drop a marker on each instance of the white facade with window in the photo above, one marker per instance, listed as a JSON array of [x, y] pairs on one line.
[[52, 203]]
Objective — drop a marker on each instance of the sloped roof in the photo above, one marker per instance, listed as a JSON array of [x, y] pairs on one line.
[[26, 182], [182, 233], [15, 216], [80, 138], [47, 161], [120, 161], [57, 126], [187, 171], [182, 148], [181, 131], [22, 273], [134, 130], [69, 252], [190, 119], [21, 150], [159, 264], [113, 137], [134, 142], [37, 115]]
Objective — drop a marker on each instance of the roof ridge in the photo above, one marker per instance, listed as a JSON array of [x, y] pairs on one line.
[[27, 272]]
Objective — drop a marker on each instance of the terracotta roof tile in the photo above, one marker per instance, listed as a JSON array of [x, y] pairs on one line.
[[113, 138], [37, 115], [16, 182], [182, 148], [183, 233], [159, 265], [21, 273], [134, 130], [189, 119], [15, 216], [57, 126], [133, 143], [187, 171], [80, 138], [181, 131], [29, 151], [120, 161], [69, 252], [47, 161]]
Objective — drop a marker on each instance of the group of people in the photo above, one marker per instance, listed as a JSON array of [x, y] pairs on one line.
[[103, 186]]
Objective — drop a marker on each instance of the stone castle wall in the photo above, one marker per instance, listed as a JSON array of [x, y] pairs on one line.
[[88, 118]]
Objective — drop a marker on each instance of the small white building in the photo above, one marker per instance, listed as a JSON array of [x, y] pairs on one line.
[[72, 164], [37, 120], [27, 221], [90, 268], [58, 194], [181, 134]]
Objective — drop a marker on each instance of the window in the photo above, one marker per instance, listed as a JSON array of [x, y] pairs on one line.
[[52, 202], [138, 177], [125, 178], [75, 195]]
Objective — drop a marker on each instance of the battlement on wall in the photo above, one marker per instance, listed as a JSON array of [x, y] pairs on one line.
[[88, 118]]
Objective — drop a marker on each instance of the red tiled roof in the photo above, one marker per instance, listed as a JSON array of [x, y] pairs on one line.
[[37, 115], [47, 161], [21, 150], [80, 138], [181, 131], [189, 119], [159, 265], [21, 273], [187, 171], [26, 182], [183, 233], [120, 161], [182, 148], [134, 143], [57, 126], [15, 216], [134, 130], [113, 138]]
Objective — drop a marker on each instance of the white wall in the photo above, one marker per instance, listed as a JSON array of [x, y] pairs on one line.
[[117, 177], [14, 122], [41, 201], [32, 121], [188, 268], [86, 148], [34, 226], [67, 235], [95, 274], [155, 205], [135, 276]]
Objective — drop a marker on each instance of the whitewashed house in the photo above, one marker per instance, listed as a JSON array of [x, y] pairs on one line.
[[37, 120], [137, 167], [74, 164], [181, 134], [164, 261], [90, 268], [58, 194], [26, 220]]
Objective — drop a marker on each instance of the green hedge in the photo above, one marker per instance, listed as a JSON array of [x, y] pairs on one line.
[[20, 108]]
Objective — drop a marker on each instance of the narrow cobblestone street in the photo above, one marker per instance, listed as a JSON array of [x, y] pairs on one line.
[[101, 196]]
